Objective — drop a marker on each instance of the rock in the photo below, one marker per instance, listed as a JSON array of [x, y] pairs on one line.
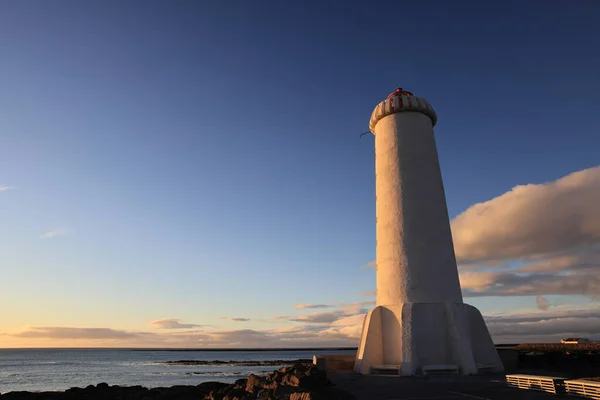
[[237, 363], [208, 386], [276, 376], [241, 382], [228, 392], [214, 395], [290, 380], [302, 396], [17, 395], [236, 394], [266, 394], [255, 383], [298, 382], [313, 379], [298, 369], [75, 391], [281, 392]]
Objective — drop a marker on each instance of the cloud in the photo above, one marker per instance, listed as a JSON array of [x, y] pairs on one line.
[[542, 303], [349, 327], [356, 308], [532, 220], [536, 239], [573, 279], [235, 319], [4, 187], [523, 326], [243, 337], [288, 329], [54, 233], [54, 332], [291, 336], [278, 318], [519, 327], [372, 264], [303, 306], [170, 323], [320, 317], [544, 326], [517, 283]]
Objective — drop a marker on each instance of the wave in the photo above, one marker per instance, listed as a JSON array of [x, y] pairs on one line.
[[36, 363]]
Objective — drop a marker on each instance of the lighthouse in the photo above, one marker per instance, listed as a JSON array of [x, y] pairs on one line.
[[420, 324]]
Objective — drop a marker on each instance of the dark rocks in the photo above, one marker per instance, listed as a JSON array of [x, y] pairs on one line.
[[232, 362], [236, 394], [280, 392], [241, 382], [208, 386], [298, 382], [301, 396]]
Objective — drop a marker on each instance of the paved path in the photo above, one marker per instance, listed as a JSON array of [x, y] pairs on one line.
[[372, 387]]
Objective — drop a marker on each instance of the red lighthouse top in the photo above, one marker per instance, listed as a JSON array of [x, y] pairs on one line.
[[398, 92], [398, 102]]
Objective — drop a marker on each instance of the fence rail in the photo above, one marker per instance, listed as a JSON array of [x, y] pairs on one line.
[[549, 384], [583, 388]]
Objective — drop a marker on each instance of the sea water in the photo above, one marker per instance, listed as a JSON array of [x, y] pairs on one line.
[[60, 369]]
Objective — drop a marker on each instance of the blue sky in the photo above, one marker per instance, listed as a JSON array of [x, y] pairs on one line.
[[202, 159]]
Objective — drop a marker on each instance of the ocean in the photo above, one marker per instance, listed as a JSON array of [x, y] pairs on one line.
[[60, 369]]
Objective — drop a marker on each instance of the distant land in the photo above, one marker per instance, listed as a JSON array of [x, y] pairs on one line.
[[228, 349], [249, 349], [277, 348]]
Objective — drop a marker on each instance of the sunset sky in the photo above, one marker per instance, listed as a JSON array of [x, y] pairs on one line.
[[190, 173]]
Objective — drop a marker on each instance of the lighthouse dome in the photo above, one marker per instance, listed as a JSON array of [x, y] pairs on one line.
[[401, 101]]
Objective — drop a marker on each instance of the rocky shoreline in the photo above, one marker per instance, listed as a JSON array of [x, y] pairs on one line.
[[593, 347], [236, 363], [302, 381]]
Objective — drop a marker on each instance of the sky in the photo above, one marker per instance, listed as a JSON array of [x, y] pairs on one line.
[[190, 174]]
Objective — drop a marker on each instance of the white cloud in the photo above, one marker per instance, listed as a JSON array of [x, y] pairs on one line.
[[54, 233], [542, 303], [327, 317], [303, 306], [368, 265], [356, 308], [534, 220], [278, 318], [320, 317], [347, 327], [551, 229], [235, 319], [543, 326], [54, 332], [517, 283], [340, 330], [4, 187], [171, 323]]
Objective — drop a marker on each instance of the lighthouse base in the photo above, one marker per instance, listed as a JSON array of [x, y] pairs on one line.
[[419, 338]]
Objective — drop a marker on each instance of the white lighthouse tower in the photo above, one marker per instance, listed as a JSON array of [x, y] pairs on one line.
[[420, 323]]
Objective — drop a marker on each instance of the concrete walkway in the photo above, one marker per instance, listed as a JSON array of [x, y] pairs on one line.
[[373, 387]]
